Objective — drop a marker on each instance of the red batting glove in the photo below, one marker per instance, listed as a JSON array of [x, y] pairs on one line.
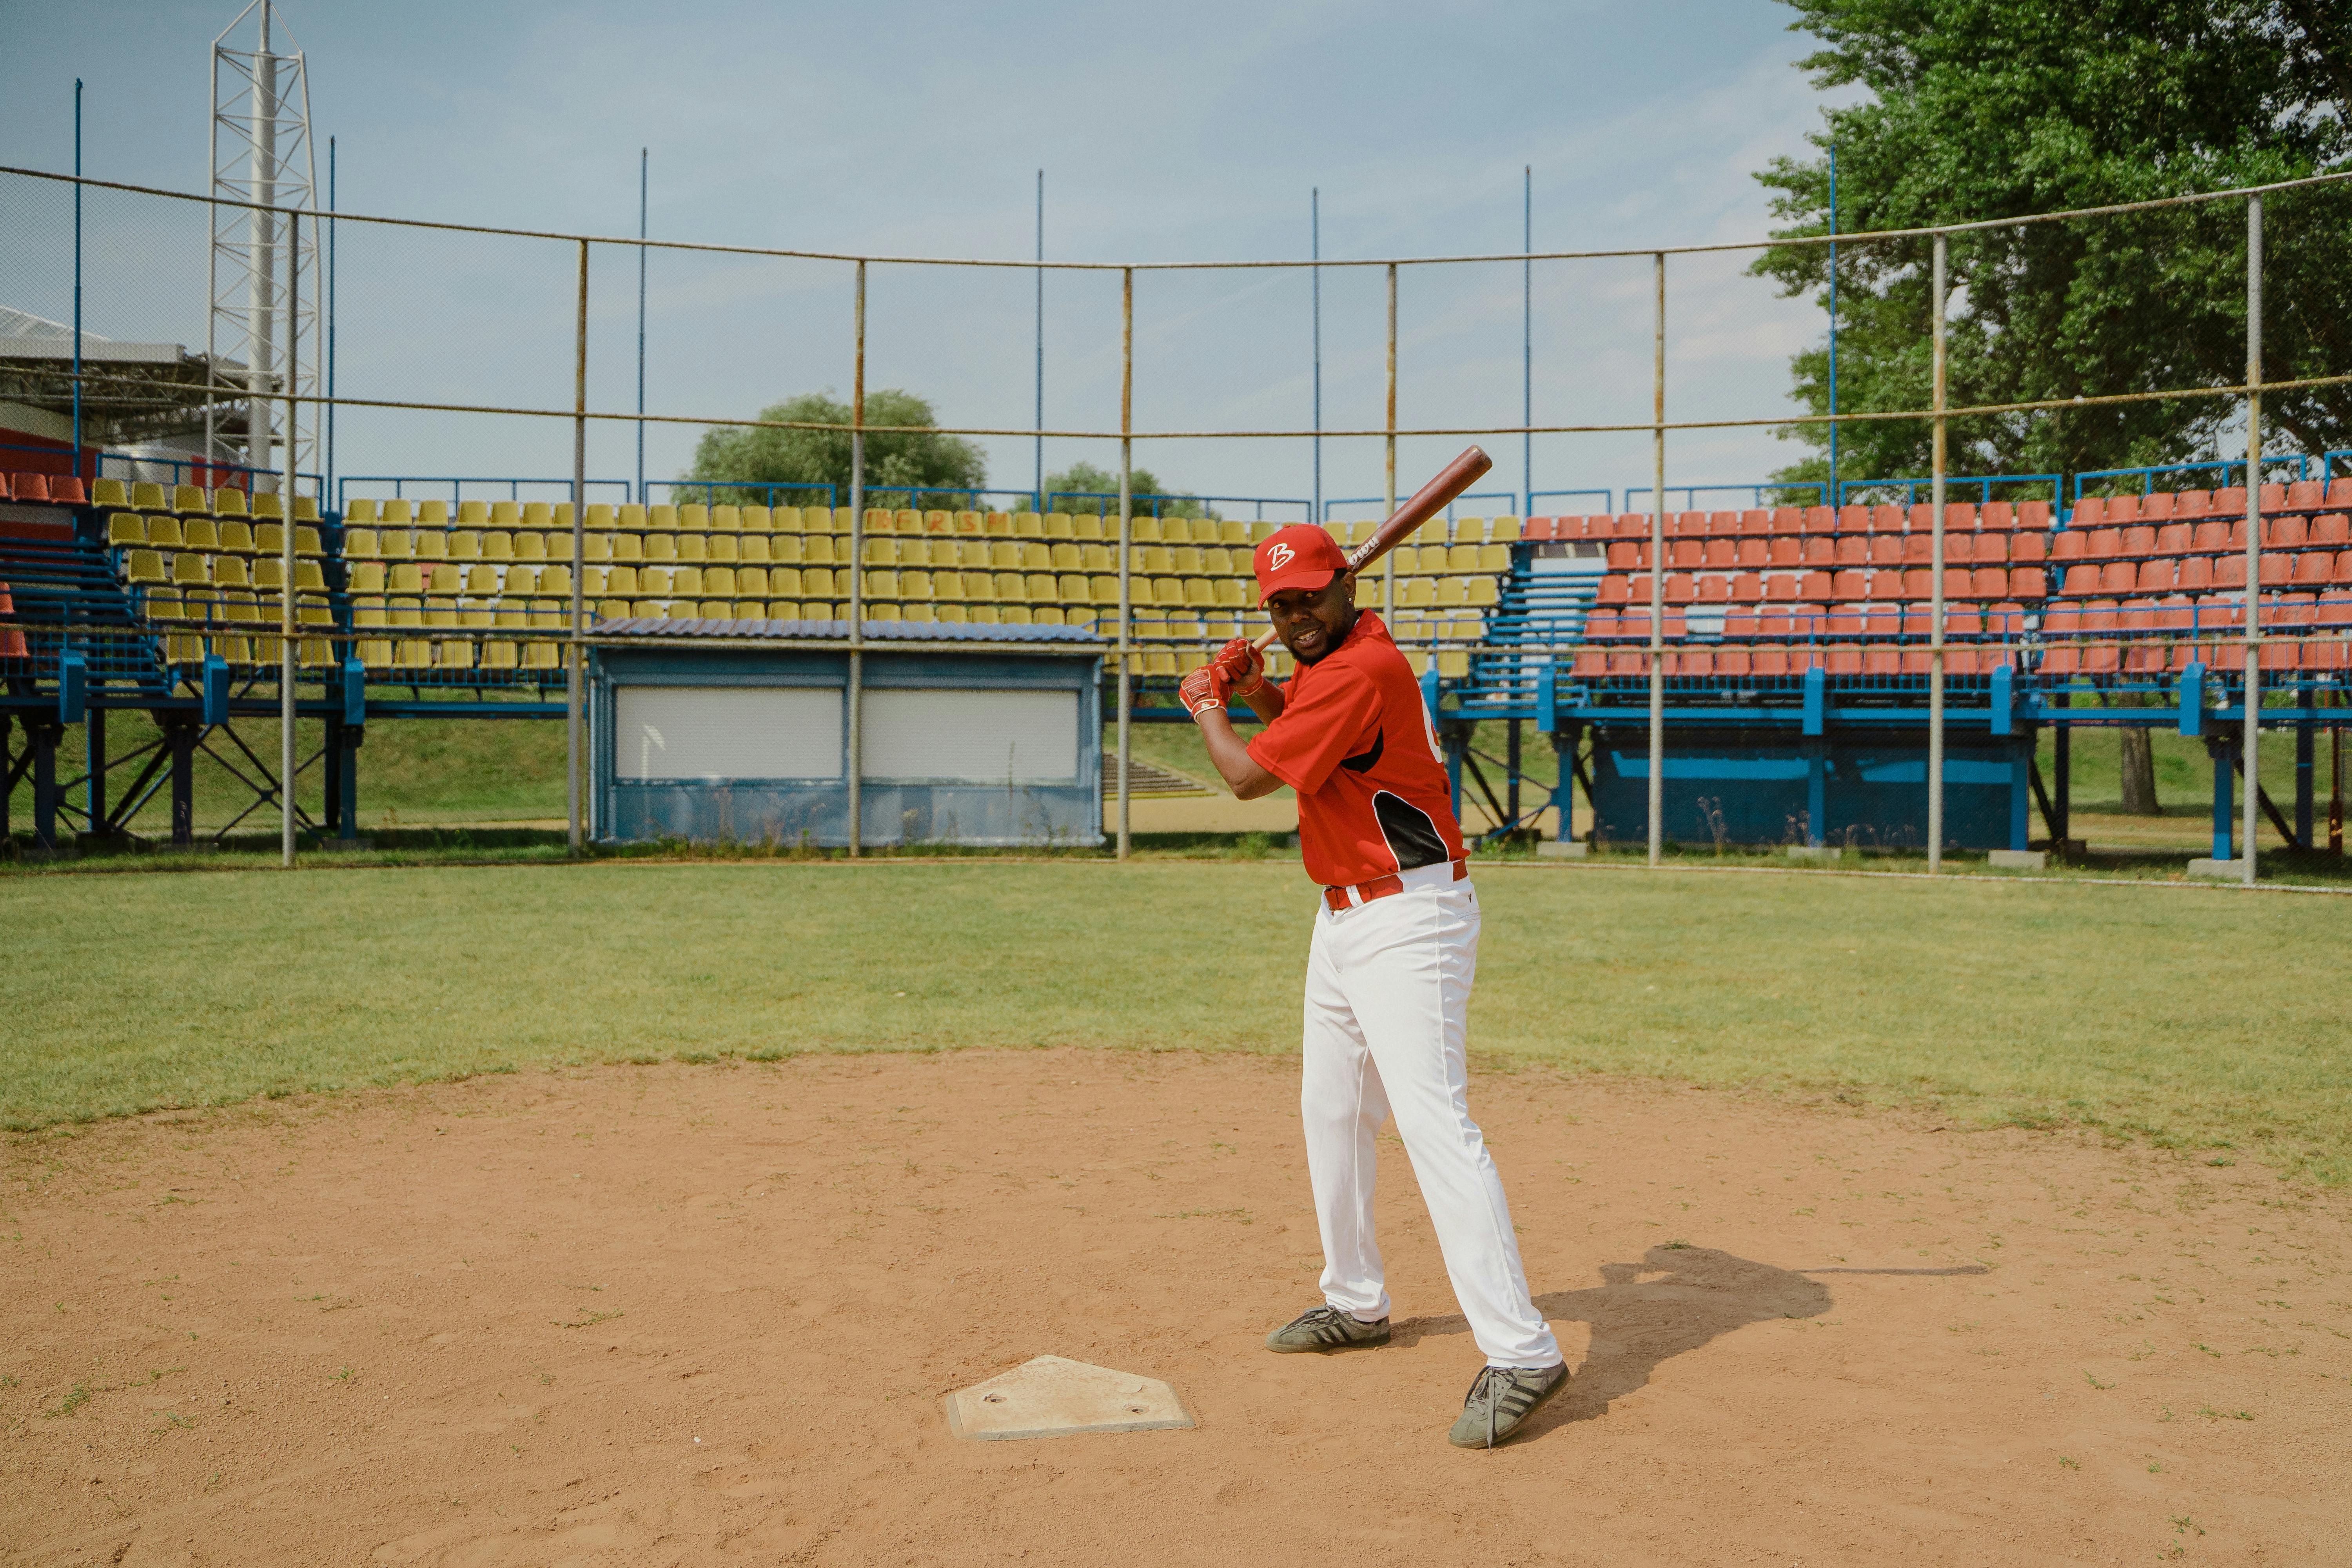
[[1243, 664], [1204, 689]]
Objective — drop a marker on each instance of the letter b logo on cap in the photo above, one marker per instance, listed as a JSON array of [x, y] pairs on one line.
[[1279, 557]]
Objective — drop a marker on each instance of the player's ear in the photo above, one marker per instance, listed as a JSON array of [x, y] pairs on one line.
[[1348, 583]]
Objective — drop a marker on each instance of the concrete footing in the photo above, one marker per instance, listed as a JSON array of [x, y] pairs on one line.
[[1563, 850], [2016, 860], [2229, 870], [1826, 854]]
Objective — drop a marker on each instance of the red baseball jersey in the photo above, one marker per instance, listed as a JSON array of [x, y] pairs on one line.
[[1356, 744]]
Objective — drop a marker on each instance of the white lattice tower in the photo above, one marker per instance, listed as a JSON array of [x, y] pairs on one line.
[[261, 153]]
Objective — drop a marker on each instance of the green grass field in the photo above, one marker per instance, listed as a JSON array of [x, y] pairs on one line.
[[2204, 1020]]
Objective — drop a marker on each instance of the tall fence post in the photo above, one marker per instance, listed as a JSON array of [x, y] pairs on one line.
[[1936, 601], [1388, 561], [285, 648], [857, 583], [1126, 544], [2253, 681], [575, 663], [1658, 575]]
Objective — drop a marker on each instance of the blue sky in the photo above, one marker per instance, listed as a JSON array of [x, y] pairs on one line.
[[1167, 134]]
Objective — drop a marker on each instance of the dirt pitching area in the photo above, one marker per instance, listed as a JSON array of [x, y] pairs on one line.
[[668, 1315]]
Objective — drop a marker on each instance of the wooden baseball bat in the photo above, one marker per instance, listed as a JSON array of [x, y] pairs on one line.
[[1425, 503]]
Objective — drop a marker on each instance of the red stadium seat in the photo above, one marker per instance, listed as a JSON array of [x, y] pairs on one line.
[[1539, 530], [2273, 499], [1680, 589], [1842, 620], [1601, 625], [2081, 581], [1625, 661], [2277, 570], [25, 486], [2211, 538], [1990, 549], [1918, 549], [2190, 505], [2307, 495], [1719, 554], [2285, 532], [1843, 658], [1883, 620], [1919, 517], [1590, 663], [1958, 582], [2070, 544], [1748, 588], [1722, 524], [1757, 523], [1852, 550], [2155, 577], [1623, 554], [2090, 511], [1754, 554], [1787, 520], [1615, 589], [1988, 582], [1816, 586], [2229, 501], [2314, 568], [1741, 621], [1886, 519], [1685, 554], [2196, 575], [1916, 583], [1779, 589], [2229, 572], [2156, 506], [2117, 577], [2173, 539], [2027, 582], [1960, 549], [2103, 544], [1691, 661], [1768, 661], [2333, 532], [1997, 514], [1821, 550], [2139, 540], [1713, 589], [1853, 519], [2343, 566], [1819, 520], [1963, 621], [1850, 583], [1887, 550]]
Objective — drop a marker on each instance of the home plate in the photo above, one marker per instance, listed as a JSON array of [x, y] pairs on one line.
[[1056, 1397]]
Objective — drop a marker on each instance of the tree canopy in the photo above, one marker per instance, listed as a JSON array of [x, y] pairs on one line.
[[1989, 109], [754, 455], [1085, 478]]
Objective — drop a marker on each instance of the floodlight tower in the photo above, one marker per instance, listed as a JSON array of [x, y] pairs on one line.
[[260, 154]]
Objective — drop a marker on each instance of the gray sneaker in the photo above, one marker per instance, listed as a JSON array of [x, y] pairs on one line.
[[1501, 1401], [1327, 1328]]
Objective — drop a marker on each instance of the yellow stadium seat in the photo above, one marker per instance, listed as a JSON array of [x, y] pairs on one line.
[[1451, 591], [539, 514], [1028, 525], [1503, 531], [1484, 592], [969, 524], [189, 569], [628, 547], [1493, 558], [396, 544], [109, 493], [163, 532], [817, 582], [481, 581], [785, 520], [404, 577], [429, 543], [186, 499], [694, 518], [473, 514], [759, 520], [306, 509], [144, 566], [229, 572], [125, 528], [915, 552], [433, 514], [145, 497], [726, 519], [464, 544]]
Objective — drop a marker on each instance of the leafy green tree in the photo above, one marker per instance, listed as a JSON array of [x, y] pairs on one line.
[[1986, 109], [754, 454], [1085, 477]]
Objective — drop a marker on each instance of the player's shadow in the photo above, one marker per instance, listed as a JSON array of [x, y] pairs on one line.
[[1675, 1299]]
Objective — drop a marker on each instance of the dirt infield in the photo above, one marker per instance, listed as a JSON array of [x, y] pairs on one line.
[[706, 1314]]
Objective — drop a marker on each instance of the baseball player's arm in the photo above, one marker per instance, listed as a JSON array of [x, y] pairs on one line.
[[1242, 774]]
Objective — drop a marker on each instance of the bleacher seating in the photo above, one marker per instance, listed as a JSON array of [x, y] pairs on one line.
[[42, 490], [1774, 592]]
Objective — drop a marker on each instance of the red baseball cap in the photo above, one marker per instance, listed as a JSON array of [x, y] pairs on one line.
[[1299, 556]]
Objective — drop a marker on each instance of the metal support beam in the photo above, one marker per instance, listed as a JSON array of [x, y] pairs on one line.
[[2306, 770], [2218, 748], [1935, 583], [857, 581], [94, 748], [1511, 772], [1388, 561], [288, 649], [1657, 574], [43, 736], [576, 654], [2253, 681], [8, 767], [180, 736], [1125, 551], [2062, 770]]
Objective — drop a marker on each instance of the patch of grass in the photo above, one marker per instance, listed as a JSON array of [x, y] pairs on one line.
[[590, 1321], [1989, 1001]]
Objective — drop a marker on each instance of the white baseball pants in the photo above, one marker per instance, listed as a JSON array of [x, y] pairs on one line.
[[1388, 994]]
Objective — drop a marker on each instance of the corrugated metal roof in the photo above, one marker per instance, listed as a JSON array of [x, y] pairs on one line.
[[835, 631]]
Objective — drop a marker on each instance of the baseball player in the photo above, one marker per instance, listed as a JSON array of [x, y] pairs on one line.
[[1389, 973]]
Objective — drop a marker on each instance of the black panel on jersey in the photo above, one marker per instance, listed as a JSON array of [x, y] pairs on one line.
[[1412, 836], [1363, 761]]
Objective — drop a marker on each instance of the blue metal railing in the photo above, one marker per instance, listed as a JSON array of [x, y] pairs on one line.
[[1111, 500], [400, 483], [1983, 483], [1508, 497], [96, 458], [2148, 476], [1690, 493], [1607, 498]]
